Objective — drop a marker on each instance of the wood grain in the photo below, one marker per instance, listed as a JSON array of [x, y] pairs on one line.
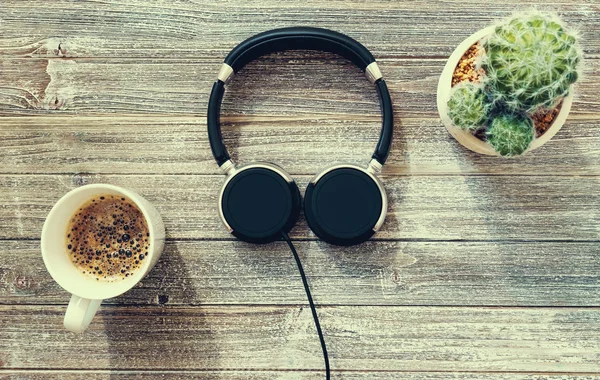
[[485, 269], [293, 375], [376, 273], [179, 145], [291, 83], [486, 208], [137, 28], [359, 338]]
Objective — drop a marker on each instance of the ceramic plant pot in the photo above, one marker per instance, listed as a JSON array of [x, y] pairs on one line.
[[466, 138]]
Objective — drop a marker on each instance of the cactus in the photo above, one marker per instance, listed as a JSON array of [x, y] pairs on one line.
[[510, 134], [530, 62], [468, 107]]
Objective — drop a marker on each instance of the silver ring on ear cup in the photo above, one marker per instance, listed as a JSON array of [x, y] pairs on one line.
[[259, 201], [345, 204], [373, 177]]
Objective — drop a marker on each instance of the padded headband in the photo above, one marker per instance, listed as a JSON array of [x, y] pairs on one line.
[[291, 39]]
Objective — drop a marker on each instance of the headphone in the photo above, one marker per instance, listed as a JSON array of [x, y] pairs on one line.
[[258, 203]]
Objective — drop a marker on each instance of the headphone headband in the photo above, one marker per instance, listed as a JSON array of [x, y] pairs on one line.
[[295, 38], [299, 38]]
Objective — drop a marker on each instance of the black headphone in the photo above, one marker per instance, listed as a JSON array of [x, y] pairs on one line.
[[343, 205]]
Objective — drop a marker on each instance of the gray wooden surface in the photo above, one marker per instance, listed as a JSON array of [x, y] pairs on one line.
[[486, 268]]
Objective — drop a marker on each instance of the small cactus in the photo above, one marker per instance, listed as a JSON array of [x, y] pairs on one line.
[[510, 134], [468, 107], [530, 62]]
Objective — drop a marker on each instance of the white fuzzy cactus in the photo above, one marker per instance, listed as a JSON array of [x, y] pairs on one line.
[[468, 107], [531, 61]]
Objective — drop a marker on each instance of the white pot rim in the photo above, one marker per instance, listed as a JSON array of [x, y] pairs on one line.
[[466, 138]]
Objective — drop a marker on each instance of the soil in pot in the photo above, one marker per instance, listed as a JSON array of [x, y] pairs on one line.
[[466, 70]]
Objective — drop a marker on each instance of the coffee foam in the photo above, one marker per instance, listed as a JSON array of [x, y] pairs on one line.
[[108, 238]]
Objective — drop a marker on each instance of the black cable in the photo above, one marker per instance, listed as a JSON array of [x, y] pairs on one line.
[[312, 305]]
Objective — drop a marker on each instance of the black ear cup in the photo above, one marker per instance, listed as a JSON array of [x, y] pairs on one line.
[[345, 205], [259, 202]]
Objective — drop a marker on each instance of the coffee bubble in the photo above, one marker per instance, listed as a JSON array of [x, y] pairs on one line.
[[99, 242]]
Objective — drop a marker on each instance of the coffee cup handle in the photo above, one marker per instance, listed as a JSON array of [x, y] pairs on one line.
[[80, 313]]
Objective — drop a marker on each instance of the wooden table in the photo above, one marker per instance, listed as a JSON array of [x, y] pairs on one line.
[[486, 268]]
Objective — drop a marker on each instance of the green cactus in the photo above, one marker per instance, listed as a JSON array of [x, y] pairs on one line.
[[530, 62], [510, 134], [468, 106]]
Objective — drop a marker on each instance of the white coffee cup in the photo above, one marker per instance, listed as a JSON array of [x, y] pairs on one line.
[[87, 292]]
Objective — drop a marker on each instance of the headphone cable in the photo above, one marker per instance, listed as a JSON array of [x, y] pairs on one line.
[[312, 305]]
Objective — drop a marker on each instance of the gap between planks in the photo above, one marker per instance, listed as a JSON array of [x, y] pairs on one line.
[[398, 240], [144, 371], [203, 58], [200, 306]]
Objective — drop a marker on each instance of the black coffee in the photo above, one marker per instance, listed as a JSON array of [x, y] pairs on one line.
[[108, 238]]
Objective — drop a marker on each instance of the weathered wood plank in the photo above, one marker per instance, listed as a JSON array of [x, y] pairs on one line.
[[359, 338], [377, 273], [292, 83], [167, 145], [180, 145], [182, 86], [193, 29], [294, 375], [420, 207]]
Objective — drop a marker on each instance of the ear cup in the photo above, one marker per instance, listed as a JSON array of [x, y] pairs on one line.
[[257, 203], [344, 206]]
